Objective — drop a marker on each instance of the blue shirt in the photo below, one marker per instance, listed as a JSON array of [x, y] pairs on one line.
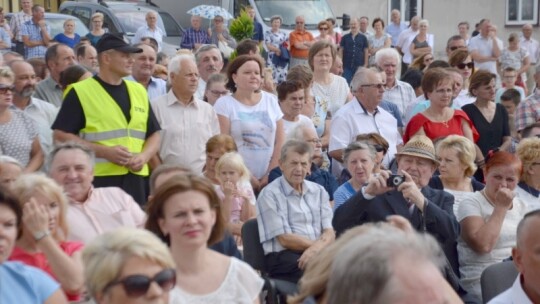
[[394, 31], [33, 31], [4, 36], [71, 42], [20, 283], [353, 50], [156, 87], [321, 177], [393, 109], [192, 36], [342, 194], [258, 34]]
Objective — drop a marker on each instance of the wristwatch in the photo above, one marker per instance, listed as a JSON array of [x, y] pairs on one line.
[[38, 236]]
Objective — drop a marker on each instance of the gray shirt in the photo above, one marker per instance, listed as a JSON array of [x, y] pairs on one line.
[[49, 91]]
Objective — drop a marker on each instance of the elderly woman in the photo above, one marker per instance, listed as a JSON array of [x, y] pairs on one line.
[[488, 220], [185, 213], [215, 88], [291, 101], [423, 42], [274, 39], [461, 59], [333, 89], [21, 283], [10, 170], [252, 117], [20, 137], [122, 265], [360, 158], [305, 132], [456, 156], [379, 40], [220, 34], [97, 28], [44, 228], [528, 189], [379, 144]]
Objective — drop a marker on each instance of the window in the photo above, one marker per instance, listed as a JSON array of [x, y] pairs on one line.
[[519, 12], [408, 8]]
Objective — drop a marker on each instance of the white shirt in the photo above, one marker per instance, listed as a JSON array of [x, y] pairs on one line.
[[185, 129], [484, 47], [145, 31], [289, 125], [404, 42], [533, 47], [513, 295], [352, 120], [200, 89]]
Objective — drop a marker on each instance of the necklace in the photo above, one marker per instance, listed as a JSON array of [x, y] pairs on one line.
[[486, 197]]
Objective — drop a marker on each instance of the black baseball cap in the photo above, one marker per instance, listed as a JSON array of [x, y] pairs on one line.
[[115, 42]]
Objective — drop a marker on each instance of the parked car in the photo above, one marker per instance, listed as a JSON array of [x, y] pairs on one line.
[[125, 18], [56, 22]]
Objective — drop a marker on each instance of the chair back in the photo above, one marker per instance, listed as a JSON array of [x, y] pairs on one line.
[[497, 278], [253, 250]]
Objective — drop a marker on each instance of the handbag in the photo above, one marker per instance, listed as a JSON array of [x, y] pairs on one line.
[[225, 49]]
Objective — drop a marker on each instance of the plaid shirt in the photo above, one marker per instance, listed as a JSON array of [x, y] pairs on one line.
[[16, 23], [282, 210], [33, 31], [528, 111], [192, 36], [401, 94]]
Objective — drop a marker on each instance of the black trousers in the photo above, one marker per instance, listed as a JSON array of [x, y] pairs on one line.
[[134, 185], [283, 265], [19, 47]]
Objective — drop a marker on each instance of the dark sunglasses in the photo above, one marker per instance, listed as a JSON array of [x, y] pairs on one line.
[[138, 285], [453, 48], [323, 28], [461, 66], [4, 89], [378, 148]]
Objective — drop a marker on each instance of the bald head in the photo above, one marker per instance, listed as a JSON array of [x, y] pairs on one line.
[[527, 30]]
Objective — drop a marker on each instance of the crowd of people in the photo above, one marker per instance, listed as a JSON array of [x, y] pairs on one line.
[[374, 170]]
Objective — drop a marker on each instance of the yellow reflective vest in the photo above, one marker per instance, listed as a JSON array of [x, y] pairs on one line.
[[106, 124]]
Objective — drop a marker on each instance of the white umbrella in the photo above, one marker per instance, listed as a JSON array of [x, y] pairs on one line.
[[210, 12]]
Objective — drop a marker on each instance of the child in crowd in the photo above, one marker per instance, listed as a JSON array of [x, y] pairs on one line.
[[509, 78], [235, 192], [510, 99]]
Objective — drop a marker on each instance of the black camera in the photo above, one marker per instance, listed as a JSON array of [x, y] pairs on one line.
[[395, 180]]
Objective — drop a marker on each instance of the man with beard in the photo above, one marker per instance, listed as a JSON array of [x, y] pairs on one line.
[[42, 112], [112, 116], [57, 58], [209, 61], [143, 69]]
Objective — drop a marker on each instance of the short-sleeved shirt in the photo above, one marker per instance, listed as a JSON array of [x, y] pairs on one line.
[[342, 194], [283, 210], [484, 47], [192, 36], [401, 94], [146, 31], [71, 42], [354, 49], [33, 31], [297, 36], [17, 23], [527, 111], [333, 95], [25, 284], [17, 136]]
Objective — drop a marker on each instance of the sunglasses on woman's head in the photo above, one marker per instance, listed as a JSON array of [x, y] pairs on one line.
[[137, 285], [470, 65]]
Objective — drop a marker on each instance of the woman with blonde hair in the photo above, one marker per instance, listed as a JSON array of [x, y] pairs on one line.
[[97, 29], [122, 265], [528, 189], [43, 242]]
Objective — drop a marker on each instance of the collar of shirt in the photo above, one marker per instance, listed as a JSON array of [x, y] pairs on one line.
[[87, 197], [172, 100], [30, 105], [288, 190], [360, 109], [52, 83], [529, 189]]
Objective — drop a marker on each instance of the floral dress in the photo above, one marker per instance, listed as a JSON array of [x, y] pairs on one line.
[[276, 39]]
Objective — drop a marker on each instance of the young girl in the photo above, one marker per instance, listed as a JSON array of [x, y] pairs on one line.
[[235, 191]]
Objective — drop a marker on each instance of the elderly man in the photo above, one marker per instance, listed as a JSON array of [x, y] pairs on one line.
[[485, 48], [87, 57], [364, 27], [42, 112], [397, 92], [301, 40], [396, 26], [36, 34], [526, 287], [404, 43], [91, 211], [528, 111], [363, 115], [533, 47], [187, 121], [129, 137], [293, 215], [354, 50], [408, 195], [17, 22], [455, 42], [194, 36], [149, 30], [57, 58], [143, 69], [209, 62], [463, 29]]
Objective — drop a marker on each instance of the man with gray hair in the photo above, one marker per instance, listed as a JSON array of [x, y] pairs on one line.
[[405, 39], [187, 121], [150, 29], [387, 265], [91, 211], [533, 48], [293, 215], [526, 287], [209, 62], [396, 91]]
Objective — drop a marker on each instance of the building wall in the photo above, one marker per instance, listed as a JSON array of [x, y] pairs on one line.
[[443, 16]]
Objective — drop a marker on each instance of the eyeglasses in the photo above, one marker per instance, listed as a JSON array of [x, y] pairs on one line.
[[462, 66], [378, 148], [373, 85], [453, 48], [299, 22], [219, 93], [4, 89], [138, 285], [314, 141], [323, 29]]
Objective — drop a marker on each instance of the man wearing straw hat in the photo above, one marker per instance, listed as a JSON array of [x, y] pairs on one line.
[[427, 209]]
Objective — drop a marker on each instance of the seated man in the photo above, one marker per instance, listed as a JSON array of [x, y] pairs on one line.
[[526, 288], [293, 215], [305, 131], [427, 209], [91, 211]]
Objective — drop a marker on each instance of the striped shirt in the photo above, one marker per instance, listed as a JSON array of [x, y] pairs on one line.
[[192, 36], [282, 210], [16, 24]]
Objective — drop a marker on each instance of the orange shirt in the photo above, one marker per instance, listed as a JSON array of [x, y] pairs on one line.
[[297, 36]]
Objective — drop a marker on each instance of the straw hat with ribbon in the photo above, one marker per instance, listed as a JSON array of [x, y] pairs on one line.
[[419, 146]]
